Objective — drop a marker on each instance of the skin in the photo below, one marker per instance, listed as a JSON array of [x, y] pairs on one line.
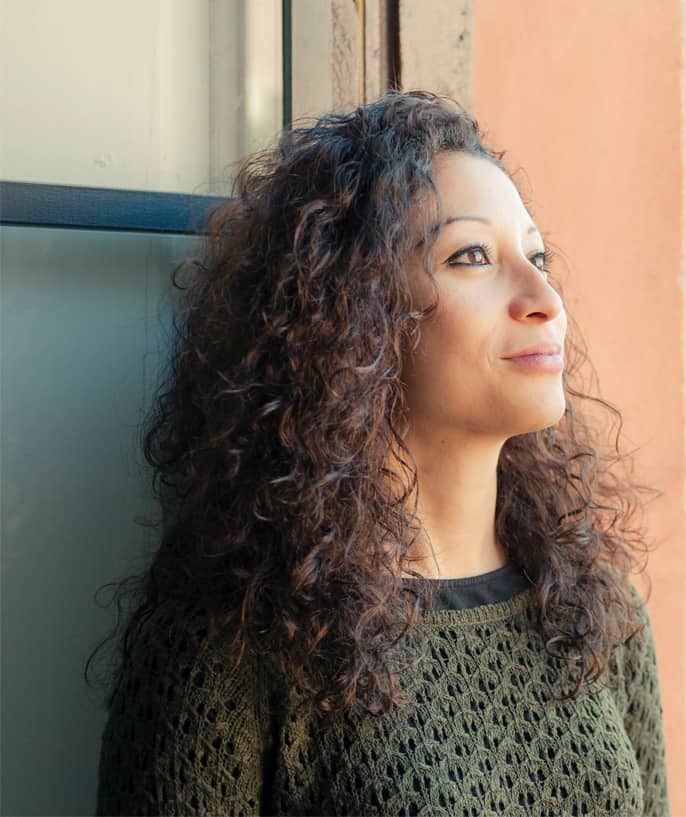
[[464, 399]]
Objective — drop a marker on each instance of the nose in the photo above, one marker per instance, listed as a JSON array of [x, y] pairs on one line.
[[532, 295]]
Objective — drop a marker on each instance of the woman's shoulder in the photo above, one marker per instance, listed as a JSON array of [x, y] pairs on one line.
[[175, 646], [184, 709]]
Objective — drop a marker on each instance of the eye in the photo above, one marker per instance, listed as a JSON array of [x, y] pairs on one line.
[[481, 252], [545, 257]]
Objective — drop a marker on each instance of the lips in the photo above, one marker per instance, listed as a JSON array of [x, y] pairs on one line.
[[539, 349]]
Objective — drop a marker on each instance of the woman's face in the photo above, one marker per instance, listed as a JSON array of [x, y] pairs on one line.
[[494, 301]]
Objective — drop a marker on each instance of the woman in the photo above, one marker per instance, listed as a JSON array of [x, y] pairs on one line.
[[396, 578]]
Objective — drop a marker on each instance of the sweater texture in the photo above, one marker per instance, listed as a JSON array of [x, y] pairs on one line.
[[190, 735]]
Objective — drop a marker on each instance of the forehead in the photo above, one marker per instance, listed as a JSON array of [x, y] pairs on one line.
[[471, 185]]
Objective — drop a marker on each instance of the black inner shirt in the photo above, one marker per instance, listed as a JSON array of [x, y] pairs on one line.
[[486, 588]]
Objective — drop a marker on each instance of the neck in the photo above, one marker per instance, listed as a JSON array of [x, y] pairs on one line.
[[457, 491]]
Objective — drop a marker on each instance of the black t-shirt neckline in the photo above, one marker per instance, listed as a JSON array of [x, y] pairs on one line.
[[471, 591]]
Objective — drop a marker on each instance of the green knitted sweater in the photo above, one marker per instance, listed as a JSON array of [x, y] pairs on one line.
[[188, 734]]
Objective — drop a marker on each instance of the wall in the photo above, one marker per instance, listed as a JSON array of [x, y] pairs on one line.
[[586, 97]]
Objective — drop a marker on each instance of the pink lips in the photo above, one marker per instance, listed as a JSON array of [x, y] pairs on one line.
[[539, 349], [545, 357]]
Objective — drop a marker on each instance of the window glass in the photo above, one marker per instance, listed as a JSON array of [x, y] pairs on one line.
[[86, 321], [159, 96]]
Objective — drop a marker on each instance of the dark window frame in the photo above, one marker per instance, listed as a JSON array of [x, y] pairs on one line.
[[24, 204]]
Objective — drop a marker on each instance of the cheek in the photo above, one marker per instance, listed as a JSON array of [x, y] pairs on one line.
[[457, 341], [450, 358], [462, 330]]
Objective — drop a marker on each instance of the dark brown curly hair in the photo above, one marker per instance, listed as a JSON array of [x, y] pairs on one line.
[[283, 402]]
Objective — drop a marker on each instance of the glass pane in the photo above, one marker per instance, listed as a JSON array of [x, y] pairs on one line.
[[86, 333], [157, 96]]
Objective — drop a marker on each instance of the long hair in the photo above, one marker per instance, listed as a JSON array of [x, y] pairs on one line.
[[283, 403]]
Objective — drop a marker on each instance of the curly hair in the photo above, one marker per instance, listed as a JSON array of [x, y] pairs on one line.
[[273, 427]]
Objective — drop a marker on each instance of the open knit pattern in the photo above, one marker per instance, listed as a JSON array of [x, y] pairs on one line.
[[189, 735]]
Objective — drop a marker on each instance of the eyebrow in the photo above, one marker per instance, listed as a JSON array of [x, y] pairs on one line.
[[451, 219]]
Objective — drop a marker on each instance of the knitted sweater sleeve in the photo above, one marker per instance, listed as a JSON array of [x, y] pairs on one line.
[[643, 715], [187, 736]]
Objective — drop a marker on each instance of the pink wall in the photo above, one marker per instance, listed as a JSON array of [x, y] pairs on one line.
[[585, 96]]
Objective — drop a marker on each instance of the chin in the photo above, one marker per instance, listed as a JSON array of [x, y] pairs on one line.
[[542, 417], [547, 422]]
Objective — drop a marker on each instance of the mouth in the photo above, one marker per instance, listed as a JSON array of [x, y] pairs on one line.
[[540, 350], [551, 363]]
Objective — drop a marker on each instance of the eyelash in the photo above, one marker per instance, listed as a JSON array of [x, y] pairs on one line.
[[487, 250]]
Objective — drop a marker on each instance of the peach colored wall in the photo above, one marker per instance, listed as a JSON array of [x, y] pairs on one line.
[[585, 96]]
